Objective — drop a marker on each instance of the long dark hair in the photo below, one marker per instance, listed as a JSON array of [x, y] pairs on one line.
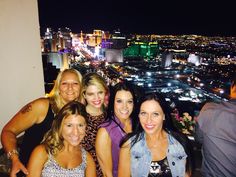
[[110, 109], [167, 126]]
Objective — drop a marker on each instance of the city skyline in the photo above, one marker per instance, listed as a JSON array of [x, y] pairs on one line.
[[162, 18]]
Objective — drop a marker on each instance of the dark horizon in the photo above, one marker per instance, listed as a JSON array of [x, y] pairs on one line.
[[162, 18]]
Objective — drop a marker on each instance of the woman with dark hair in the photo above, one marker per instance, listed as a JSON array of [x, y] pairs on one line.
[[152, 149], [119, 122]]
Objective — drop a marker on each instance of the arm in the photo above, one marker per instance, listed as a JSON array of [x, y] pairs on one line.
[[103, 151], [91, 167], [29, 115], [124, 161], [198, 135], [36, 162]]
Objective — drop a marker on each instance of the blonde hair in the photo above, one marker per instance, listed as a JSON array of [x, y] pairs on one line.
[[92, 79], [53, 139], [55, 98]]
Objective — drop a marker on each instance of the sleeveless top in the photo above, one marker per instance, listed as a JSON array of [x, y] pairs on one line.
[[53, 169], [115, 132], [89, 140], [34, 135]]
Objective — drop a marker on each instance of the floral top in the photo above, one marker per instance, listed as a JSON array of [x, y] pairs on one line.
[[89, 140], [53, 169]]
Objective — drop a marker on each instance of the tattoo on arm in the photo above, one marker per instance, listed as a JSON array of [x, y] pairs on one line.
[[26, 109]]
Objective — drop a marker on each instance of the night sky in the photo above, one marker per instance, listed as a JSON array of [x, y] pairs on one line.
[[203, 17]]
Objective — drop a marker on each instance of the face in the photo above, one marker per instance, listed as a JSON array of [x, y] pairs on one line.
[[73, 129], [151, 116], [94, 96], [123, 105], [69, 87]]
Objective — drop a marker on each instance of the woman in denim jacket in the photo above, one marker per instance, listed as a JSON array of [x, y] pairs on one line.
[[152, 149]]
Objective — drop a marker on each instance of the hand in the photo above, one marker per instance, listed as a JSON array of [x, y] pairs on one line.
[[17, 166]]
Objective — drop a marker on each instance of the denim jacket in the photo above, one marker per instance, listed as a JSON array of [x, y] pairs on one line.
[[141, 158]]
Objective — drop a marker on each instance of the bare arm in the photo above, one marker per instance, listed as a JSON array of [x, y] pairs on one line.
[[29, 115], [124, 161], [91, 167], [36, 162], [103, 151]]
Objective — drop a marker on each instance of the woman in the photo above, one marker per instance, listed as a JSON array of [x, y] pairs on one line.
[[118, 123], [93, 95], [60, 153], [152, 150], [36, 117]]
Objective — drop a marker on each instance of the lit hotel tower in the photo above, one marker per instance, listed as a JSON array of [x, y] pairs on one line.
[[56, 45], [94, 39]]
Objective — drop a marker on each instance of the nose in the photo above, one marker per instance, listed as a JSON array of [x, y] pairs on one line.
[[75, 131], [149, 118], [70, 85], [125, 105], [96, 96]]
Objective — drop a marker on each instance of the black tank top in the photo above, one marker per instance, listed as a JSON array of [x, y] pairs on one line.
[[34, 135]]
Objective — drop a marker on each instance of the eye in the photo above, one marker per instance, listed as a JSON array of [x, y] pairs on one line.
[[89, 94], [119, 101], [101, 92], [130, 101], [155, 114], [82, 125], [143, 114], [69, 125]]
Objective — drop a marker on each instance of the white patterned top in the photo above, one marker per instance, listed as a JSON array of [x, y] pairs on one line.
[[53, 169]]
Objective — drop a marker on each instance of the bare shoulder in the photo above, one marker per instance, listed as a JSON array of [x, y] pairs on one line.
[[40, 150], [40, 107], [89, 156], [37, 160], [102, 138], [126, 144], [102, 132], [39, 153], [90, 160], [41, 103]]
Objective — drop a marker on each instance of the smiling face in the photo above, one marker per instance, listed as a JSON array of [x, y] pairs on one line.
[[73, 129], [151, 116], [69, 87], [123, 105], [94, 96]]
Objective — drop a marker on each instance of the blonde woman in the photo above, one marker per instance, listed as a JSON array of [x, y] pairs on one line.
[[36, 118], [93, 95]]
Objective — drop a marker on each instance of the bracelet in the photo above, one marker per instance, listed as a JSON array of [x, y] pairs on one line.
[[10, 153]]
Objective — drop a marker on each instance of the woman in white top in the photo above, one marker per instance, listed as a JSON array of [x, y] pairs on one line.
[[60, 153]]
